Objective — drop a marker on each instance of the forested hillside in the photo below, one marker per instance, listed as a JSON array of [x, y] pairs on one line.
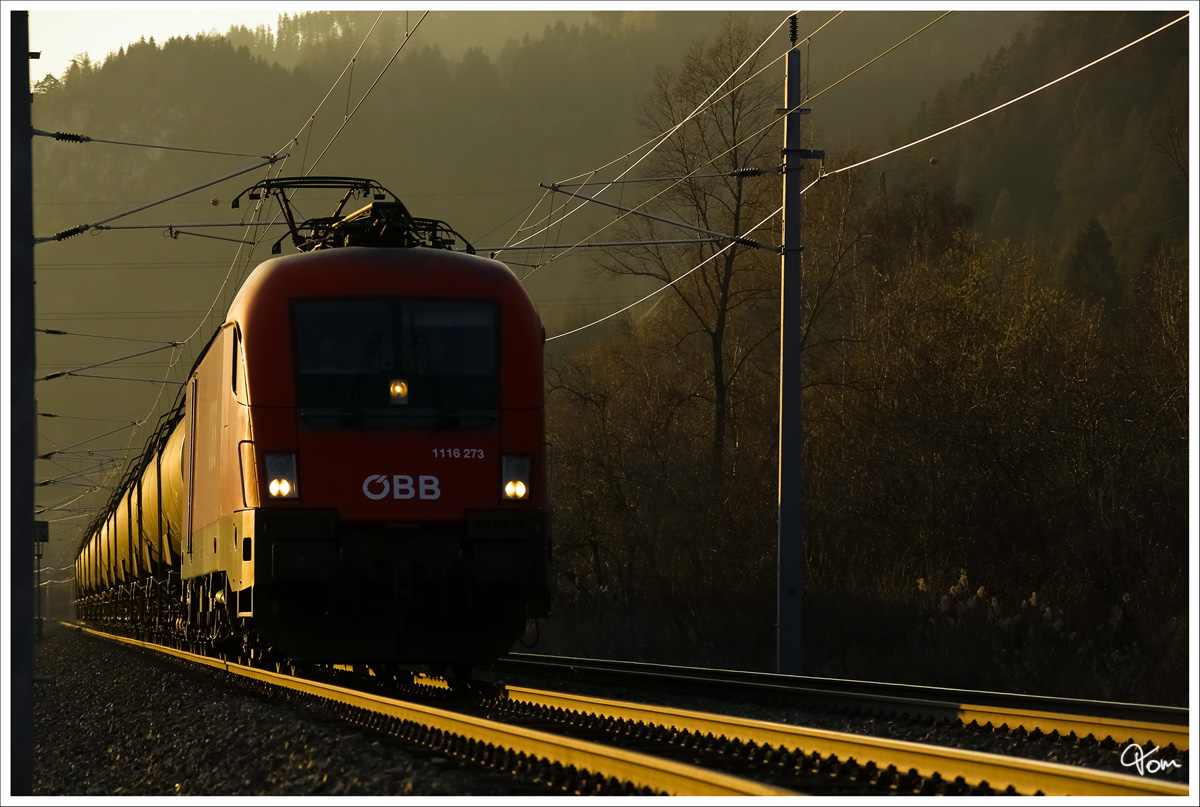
[[1108, 145], [996, 335]]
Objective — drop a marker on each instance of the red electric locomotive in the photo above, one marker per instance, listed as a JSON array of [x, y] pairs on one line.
[[358, 470]]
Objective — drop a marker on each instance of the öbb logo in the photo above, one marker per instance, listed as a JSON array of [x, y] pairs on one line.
[[400, 486]]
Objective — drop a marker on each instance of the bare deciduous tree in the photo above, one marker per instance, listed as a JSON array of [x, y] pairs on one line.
[[705, 166]]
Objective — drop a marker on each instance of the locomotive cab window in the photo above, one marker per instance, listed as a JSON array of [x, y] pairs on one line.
[[396, 363]]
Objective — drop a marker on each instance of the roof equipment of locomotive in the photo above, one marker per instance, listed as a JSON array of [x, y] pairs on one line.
[[381, 223]]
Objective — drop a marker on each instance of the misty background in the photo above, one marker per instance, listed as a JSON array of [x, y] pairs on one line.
[[995, 411]]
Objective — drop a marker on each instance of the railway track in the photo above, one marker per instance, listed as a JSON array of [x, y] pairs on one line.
[[588, 745], [1109, 723], [816, 761]]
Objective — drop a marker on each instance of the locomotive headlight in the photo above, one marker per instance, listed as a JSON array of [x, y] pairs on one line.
[[398, 391], [281, 470], [515, 472]]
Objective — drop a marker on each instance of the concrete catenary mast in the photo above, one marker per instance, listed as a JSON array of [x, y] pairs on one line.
[[790, 557]]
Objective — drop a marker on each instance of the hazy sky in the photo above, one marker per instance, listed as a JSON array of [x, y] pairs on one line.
[[62, 31]]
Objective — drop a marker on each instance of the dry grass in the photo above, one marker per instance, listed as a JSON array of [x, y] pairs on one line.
[[966, 635]]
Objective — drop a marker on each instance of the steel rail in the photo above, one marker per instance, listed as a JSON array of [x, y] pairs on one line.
[[1155, 725], [640, 770], [1024, 775], [1139, 732]]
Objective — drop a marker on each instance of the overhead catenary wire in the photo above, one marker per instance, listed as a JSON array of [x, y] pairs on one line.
[[753, 135], [82, 228], [609, 245], [667, 285], [89, 440], [658, 140], [528, 211], [746, 172], [79, 514], [67, 137], [681, 224], [79, 455], [68, 473], [636, 210], [662, 137], [312, 117], [109, 471], [407, 37], [995, 109], [171, 230], [77, 371], [872, 61], [78, 417], [889, 153], [123, 378], [121, 315], [64, 505], [98, 464], [58, 332], [57, 568]]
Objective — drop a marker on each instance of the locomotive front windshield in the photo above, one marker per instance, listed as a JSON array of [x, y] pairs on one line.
[[387, 363]]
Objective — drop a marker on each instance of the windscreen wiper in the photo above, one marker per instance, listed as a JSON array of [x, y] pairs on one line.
[[350, 415], [447, 414]]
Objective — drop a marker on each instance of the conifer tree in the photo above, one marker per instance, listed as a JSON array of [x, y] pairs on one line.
[[1091, 270]]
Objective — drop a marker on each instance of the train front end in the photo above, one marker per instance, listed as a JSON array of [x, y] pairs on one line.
[[393, 467]]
